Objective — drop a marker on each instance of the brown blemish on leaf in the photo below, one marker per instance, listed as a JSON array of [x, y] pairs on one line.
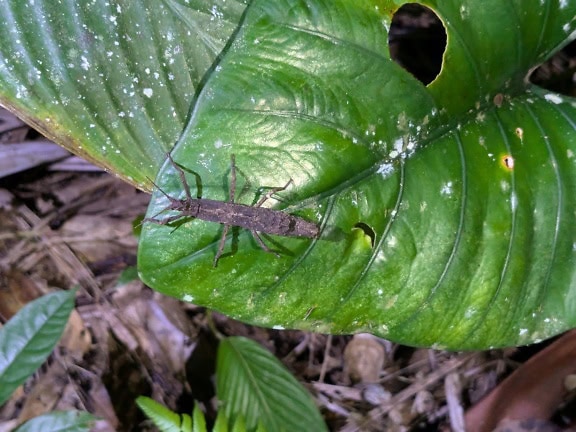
[[498, 99], [507, 162]]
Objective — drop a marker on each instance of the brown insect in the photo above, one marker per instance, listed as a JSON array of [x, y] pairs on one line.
[[255, 218]]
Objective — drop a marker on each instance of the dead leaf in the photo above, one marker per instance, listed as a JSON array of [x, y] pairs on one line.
[[533, 391], [364, 358]]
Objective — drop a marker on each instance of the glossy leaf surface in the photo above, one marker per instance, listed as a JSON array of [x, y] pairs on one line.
[[112, 81], [446, 211]]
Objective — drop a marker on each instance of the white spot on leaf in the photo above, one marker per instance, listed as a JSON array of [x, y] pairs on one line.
[[385, 170], [446, 189], [513, 201], [85, 63], [554, 98]]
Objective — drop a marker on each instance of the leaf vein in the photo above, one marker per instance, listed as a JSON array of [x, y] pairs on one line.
[[559, 197], [459, 231], [513, 227]]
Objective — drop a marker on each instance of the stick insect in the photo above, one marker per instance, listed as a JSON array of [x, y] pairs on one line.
[[255, 218]]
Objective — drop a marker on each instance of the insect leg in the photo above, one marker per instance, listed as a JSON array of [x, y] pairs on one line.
[[262, 244], [271, 192], [232, 177], [165, 221], [221, 244], [181, 175]]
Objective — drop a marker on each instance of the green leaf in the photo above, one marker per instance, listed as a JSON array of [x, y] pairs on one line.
[[29, 337], [221, 422], [128, 275], [112, 81], [199, 421], [59, 421], [252, 383], [239, 424], [260, 427], [165, 419], [429, 235]]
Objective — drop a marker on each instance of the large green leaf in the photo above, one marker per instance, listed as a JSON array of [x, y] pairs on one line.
[[467, 185], [60, 421], [252, 383], [112, 81], [29, 337]]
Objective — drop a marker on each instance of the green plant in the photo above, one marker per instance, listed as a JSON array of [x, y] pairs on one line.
[[26, 341], [256, 393], [445, 209], [69, 421]]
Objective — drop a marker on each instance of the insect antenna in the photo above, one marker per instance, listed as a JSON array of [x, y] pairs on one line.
[[153, 218], [181, 175], [161, 190], [272, 191]]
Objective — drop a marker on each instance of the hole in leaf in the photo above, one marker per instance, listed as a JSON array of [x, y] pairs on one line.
[[417, 41], [507, 162], [368, 231], [558, 73]]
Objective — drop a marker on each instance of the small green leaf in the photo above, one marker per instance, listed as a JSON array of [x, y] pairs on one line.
[[198, 418], [239, 424], [221, 422], [187, 422], [30, 336], [129, 274], [64, 421], [164, 419], [252, 383]]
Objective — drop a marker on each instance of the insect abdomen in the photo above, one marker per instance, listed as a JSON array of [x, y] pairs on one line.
[[258, 219]]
